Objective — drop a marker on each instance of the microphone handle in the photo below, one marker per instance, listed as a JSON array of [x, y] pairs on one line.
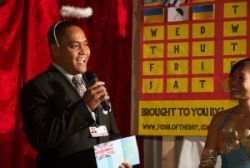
[[92, 79], [105, 105]]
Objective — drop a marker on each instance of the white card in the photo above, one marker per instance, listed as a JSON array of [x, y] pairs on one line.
[[99, 131]]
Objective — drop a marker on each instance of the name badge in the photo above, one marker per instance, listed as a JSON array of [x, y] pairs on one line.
[[99, 131]]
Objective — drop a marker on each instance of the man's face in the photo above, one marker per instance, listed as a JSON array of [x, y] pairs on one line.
[[74, 52]]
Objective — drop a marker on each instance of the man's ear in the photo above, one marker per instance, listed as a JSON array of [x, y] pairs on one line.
[[54, 50]]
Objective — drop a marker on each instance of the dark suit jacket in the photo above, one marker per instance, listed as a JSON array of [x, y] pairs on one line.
[[56, 122]]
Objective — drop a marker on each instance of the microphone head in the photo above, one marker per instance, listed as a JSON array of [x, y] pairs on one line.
[[91, 77]]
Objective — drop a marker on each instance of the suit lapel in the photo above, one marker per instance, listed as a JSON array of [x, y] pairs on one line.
[[59, 79]]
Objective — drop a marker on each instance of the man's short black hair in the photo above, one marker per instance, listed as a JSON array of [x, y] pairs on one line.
[[58, 28]]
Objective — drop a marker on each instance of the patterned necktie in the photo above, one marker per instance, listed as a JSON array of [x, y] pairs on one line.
[[79, 85]]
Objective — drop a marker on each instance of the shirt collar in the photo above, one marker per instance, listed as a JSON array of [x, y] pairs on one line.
[[66, 74]]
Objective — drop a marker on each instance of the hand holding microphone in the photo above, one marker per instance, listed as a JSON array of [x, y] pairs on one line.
[[96, 93]]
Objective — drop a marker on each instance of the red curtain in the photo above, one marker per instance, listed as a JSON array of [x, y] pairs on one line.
[[24, 53]]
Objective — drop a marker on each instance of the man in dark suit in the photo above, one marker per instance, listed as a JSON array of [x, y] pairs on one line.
[[57, 118]]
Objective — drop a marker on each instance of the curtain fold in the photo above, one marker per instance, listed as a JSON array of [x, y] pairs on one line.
[[10, 47], [24, 53]]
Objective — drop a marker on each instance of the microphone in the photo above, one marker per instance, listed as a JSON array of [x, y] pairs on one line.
[[91, 78]]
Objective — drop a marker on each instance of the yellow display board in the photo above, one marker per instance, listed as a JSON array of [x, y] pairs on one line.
[[186, 53], [184, 117]]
